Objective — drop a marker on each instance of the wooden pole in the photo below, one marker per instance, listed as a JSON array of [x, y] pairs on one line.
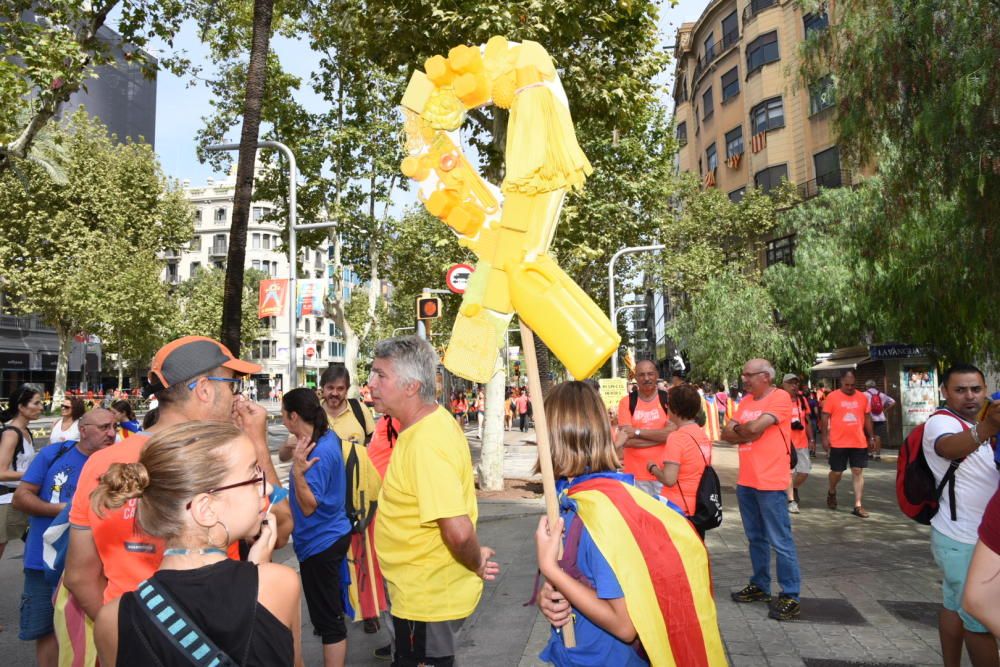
[[544, 452]]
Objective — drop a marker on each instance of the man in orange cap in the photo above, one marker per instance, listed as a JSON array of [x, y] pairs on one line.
[[195, 379]]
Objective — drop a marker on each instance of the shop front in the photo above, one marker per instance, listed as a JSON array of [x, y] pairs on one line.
[[907, 373]]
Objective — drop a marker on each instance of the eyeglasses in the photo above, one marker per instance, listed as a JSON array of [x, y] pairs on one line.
[[258, 478], [237, 383], [750, 375], [67, 407]]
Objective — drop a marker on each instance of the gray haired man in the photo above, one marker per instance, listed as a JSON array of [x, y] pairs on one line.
[[426, 525]]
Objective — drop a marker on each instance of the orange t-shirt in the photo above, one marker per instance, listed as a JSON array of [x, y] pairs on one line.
[[682, 448], [764, 462], [799, 438], [128, 555], [847, 419], [648, 414]]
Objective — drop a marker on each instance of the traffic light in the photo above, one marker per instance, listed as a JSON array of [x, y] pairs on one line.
[[428, 307]]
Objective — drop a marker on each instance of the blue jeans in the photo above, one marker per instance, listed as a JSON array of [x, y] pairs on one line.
[[767, 525]]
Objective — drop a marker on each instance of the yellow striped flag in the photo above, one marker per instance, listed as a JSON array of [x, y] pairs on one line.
[[662, 567]]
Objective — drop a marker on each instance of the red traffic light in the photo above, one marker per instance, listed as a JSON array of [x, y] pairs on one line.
[[428, 308]]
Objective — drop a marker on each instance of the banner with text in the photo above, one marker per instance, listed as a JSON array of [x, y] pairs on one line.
[[312, 294], [272, 297]]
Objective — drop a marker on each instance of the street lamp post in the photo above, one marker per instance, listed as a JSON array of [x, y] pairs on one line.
[[611, 289], [293, 251]]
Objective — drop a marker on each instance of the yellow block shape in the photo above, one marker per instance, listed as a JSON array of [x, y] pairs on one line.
[[472, 353], [418, 91]]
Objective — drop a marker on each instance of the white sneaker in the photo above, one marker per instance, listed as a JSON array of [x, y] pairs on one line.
[[793, 507]]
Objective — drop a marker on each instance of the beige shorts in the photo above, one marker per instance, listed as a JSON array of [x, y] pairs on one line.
[[13, 524]]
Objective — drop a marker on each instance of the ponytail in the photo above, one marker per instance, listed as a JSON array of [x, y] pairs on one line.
[[306, 405]]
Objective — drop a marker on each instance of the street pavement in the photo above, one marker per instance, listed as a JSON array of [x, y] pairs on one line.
[[870, 587]]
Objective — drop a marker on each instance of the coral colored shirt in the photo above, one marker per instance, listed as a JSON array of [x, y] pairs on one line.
[[128, 554], [381, 446], [682, 448], [847, 419], [764, 462], [648, 415]]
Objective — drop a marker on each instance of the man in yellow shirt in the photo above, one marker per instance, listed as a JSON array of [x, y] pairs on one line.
[[426, 524]]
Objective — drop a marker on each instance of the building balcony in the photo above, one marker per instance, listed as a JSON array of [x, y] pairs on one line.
[[23, 323], [832, 179], [218, 250], [755, 7]]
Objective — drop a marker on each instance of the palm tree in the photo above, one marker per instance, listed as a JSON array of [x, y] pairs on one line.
[[232, 306]]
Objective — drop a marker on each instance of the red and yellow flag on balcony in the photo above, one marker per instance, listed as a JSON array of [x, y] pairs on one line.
[[733, 161], [709, 180], [662, 567], [759, 141]]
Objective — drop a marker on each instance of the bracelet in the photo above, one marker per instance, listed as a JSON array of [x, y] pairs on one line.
[[976, 437]]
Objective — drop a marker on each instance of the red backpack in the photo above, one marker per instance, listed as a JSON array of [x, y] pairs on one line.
[[916, 490], [876, 402]]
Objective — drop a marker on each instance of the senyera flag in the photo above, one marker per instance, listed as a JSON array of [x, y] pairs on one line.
[[662, 567], [272, 297]]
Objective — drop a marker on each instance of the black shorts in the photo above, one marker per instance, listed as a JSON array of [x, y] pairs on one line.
[[421, 643], [841, 456], [321, 586], [882, 431]]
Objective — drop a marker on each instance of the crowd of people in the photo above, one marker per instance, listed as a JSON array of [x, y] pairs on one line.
[[152, 542]]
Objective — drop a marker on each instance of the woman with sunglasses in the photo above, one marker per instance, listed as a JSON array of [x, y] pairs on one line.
[[322, 532], [199, 489], [67, 427]]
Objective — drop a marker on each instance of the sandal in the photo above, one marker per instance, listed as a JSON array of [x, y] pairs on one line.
[[860, 511], [831, 500]]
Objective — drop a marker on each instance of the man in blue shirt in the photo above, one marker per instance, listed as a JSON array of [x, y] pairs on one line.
[[47, 486]]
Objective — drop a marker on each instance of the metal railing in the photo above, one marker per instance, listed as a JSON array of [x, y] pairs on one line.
[[730, 38], [23, 323], [755, 7], [218, 250], [831, 179]]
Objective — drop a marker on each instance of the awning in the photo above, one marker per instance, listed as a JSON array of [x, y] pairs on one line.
[[839, 364]]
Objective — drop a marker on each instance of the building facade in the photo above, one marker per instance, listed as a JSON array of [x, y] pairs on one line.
[[318, 341], [743, 115]]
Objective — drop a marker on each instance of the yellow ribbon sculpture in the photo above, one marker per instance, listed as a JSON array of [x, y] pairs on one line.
[[510, 229]]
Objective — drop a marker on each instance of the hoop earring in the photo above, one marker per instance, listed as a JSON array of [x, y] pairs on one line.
[[224, 545]]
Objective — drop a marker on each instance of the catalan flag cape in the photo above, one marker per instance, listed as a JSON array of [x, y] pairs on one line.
[[662, 567], [711, 418]]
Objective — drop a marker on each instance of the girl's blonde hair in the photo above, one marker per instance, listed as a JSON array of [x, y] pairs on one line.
[[175, 465], [579, 431]]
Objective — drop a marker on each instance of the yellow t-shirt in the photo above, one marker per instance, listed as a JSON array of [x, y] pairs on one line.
[[347, 428], [429, 478]]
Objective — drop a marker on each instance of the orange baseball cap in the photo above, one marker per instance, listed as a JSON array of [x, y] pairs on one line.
[[187, 358]]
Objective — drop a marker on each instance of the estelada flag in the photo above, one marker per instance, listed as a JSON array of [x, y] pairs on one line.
[[711, 419], [662, 567], [272, 297]]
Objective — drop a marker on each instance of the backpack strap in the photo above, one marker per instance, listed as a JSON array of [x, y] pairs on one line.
[[697, 447], [359, 414], [949, 476], [177, 627]]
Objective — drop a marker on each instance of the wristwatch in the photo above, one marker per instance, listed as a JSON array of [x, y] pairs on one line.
[[637, 432]]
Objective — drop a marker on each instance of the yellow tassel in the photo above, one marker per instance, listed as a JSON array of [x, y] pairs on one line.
[[542, 152]]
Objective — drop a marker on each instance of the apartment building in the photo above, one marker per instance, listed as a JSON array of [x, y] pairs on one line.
[[318, 341], [743, 115]]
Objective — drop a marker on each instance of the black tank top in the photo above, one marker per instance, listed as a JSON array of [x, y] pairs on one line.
[[222, 600]]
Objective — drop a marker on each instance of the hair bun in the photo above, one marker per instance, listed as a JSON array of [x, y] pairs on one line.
[[121, 483]]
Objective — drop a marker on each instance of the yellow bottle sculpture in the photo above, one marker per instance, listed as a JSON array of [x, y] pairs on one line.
[[510, 229]]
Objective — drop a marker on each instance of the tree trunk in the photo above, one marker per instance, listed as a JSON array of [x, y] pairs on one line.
[[65, 337], [492, 453], [232, 305]]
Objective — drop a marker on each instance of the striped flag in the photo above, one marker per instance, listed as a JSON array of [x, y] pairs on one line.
[[662, 567], [709, 179], [733, 161], [711, 419], [759, 141]]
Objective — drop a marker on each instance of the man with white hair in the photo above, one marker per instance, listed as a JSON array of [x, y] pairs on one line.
[[762, 428], [426, 525]]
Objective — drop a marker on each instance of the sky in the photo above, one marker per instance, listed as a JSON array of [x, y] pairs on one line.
[[180, 107]]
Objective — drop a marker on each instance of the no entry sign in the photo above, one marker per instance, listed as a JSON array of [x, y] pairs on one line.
[[457, 277]]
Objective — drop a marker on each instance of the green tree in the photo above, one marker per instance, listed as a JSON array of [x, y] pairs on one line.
[[114, 211], [48, 51], [729, 321], [200, 301]]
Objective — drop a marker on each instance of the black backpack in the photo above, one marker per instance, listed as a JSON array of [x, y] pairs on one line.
[[633, 400], [708, 498], [359, 414]]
